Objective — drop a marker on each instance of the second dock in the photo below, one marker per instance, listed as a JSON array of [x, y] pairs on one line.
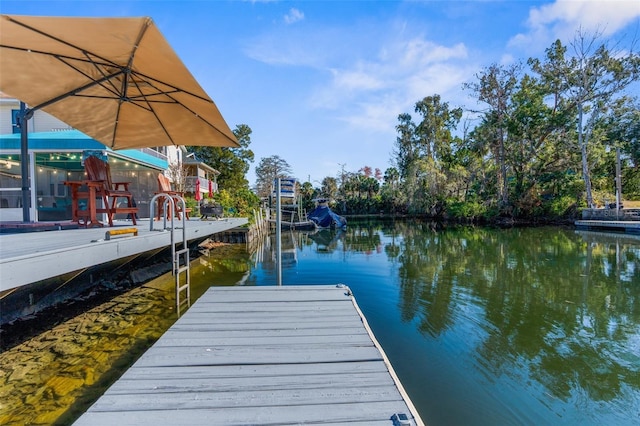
[[261, 356]]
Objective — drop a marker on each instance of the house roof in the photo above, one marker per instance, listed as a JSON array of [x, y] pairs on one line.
[[189, 161]]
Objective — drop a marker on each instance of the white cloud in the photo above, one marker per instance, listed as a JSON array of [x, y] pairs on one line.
[[563, 18], [370, 94], [283, 50], [363, 78], [293, 16], [356, 80]]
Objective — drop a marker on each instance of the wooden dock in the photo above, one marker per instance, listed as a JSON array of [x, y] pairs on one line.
[[629, 227], [260, 356], [27, 258]]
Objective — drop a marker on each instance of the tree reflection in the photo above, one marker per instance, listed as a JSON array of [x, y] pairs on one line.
[[555, 306], [326, 240], [364, 237]]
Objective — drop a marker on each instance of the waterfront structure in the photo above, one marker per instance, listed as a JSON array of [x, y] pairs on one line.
[[56, 154], [199, 177], [262, 356], [40, 269]]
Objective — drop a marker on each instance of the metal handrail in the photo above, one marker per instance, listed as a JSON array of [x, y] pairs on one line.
[[178, 267]]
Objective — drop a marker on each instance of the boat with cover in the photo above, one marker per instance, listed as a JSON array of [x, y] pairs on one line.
[[324, 217]]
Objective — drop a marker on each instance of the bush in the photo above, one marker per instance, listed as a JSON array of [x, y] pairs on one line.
[[192, 204], [466, 209], [560, 206], [239, 203]]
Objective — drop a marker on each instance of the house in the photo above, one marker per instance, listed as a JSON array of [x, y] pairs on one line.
[[199, 175], [56, 154]]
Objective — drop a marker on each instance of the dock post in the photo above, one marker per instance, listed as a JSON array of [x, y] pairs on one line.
[[278, 234]]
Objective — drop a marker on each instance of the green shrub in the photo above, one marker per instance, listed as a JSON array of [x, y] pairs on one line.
[[559, 206], [466, 209]]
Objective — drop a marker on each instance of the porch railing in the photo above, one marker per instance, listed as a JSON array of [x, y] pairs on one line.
[[190, 184]]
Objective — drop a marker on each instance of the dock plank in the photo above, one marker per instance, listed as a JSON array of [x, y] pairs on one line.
[[172, 356], [295, 396], [198, 332], [214, 372], [260, 356], [249, 383], [347, 414], [197, 339], [327, 307]]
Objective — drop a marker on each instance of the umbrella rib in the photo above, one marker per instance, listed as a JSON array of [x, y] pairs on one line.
[[67, 60], [168, 95], [59, 40], [99, 68], [175, 101], [58, 56], [73, 92], [107, 77], [175, 88], [125, 81], [146, 101]]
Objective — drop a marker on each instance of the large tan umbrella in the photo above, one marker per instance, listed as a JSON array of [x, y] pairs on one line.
[[115, 79]]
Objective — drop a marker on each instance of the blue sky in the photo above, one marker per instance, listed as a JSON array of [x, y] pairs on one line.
[[321, 83]]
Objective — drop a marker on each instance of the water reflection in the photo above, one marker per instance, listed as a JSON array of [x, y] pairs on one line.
[[499, 326], [326, 240], [553, 307]]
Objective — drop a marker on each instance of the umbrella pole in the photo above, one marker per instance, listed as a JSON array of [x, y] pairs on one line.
[[24, 160]]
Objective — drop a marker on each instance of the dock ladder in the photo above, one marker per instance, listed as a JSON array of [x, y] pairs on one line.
[[179, 249]]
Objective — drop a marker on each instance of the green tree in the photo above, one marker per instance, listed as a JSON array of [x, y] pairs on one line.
[[329, 188], [621, 122], [405, 157], [588, 81], [232, 163], [268, 170], [390, 190], [535, 151], [434, 130], [495, 87], [239, 203], [423, 151], [308, 193]]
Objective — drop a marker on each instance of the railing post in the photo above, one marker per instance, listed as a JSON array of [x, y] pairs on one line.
[[278, 234]]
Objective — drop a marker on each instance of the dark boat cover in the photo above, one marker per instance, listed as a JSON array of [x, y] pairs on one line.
[[325, 218]]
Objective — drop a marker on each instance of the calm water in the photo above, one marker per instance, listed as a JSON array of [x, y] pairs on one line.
[[489, 327], [484, 327]]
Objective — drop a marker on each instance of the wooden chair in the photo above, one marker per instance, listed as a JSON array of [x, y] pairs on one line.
[[109, 191], [164, 187]]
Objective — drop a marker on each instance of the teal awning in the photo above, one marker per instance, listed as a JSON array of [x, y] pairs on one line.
[[74, 140]]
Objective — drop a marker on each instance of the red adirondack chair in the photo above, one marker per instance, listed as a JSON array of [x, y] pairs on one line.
[[109, 191], [164, 187]]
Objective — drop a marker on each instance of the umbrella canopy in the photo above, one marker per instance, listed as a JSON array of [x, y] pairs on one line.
[[210, 189], [115, 79]]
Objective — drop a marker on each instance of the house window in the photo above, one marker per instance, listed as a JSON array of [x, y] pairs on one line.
[[10, 181]]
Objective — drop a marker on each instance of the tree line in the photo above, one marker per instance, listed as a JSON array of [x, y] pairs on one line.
[[541, 143]]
